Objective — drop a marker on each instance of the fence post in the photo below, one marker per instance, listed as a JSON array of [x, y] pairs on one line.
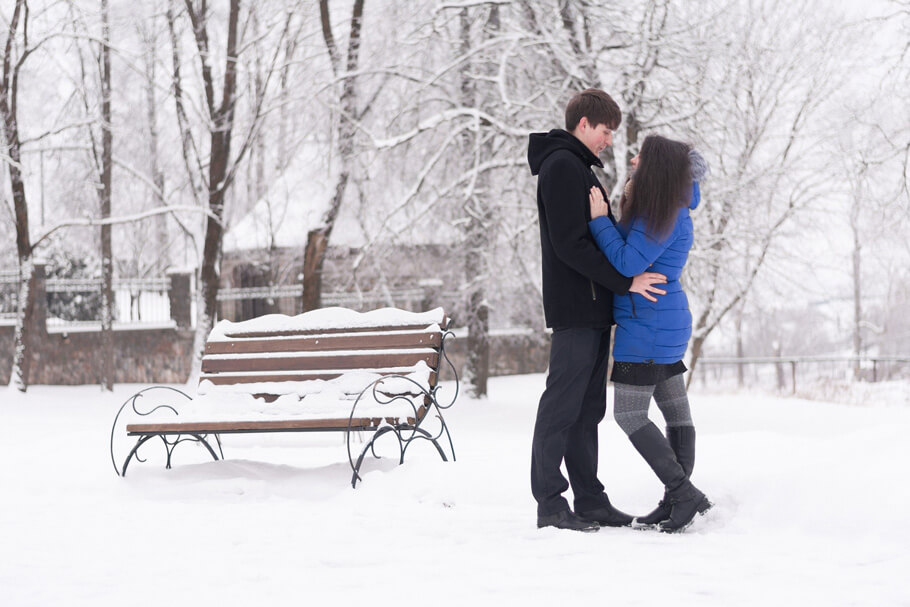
[[180, 297], [793, 375]]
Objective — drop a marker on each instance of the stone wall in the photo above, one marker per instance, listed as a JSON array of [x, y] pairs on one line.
[[155, 355], [163, 355], [510, 354], [72, 357]]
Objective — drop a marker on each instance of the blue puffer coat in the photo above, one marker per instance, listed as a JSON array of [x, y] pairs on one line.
[[649, 331]]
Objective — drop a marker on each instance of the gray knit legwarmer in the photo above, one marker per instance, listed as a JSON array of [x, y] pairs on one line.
[[630, 404]]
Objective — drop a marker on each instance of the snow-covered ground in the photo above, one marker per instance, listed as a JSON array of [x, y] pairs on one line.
[[811, 509]]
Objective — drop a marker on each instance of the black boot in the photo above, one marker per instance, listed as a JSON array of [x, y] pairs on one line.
[[684, 505], [566, 519], [653, 518], [607, 516], [682, 441], [685, 499]]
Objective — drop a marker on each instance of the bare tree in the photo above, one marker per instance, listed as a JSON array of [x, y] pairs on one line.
[[318, 238], [759, 128], [107, 262], [477, 145], [149, 35], [218, 121], [16, 50]]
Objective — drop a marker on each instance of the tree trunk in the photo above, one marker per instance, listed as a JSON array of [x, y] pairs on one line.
[[477, 237], [857, 299], [313, 259], [694, 353], [220, 146], [19, 376], [318, 239], [161, 236], [24, 332], [740, 367], [107, 266]]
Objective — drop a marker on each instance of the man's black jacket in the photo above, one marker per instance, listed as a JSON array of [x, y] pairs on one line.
[[577, 278]]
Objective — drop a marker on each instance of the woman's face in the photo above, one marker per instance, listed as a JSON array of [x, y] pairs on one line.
[[635, 160]]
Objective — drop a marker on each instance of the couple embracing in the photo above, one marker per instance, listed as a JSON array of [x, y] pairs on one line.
[[597, 270]]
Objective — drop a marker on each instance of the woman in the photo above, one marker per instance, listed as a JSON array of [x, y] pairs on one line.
[[655, 234]]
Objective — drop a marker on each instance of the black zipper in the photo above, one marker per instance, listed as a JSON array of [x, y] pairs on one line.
[[593, 292], [632, 299]]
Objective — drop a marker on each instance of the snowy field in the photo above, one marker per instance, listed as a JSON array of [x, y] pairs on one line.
[[811, 509]]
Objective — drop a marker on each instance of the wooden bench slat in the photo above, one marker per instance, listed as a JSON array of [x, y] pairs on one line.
[[369, 329], [323, 342], [315, 363], [226, 379], [201, 427]]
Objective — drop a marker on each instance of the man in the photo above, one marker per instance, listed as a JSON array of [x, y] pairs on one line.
[[578, 306]]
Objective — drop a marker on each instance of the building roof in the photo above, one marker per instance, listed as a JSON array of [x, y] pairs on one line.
[[294, 204]]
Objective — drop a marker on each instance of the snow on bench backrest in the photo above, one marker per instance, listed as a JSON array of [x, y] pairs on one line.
[[331, 349], [327, 320]]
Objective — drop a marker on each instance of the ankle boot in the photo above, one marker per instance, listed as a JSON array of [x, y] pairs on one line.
[[606, 516], [684, 499], [685, 503]]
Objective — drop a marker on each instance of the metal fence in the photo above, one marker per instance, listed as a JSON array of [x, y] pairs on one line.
[[9, 294], [786, 373], [77, 302], [72, 303]]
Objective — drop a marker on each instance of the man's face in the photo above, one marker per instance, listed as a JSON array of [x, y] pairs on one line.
[[595, 138]]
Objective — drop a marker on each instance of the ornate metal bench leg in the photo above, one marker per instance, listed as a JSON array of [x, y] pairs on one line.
[[202, 440], [169, 447], [199, 438], [369, 447], [220, 450], [445, 429], [142, 440], [424, 436], [132, 401]]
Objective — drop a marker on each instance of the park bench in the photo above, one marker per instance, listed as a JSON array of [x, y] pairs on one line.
[[329, 370]]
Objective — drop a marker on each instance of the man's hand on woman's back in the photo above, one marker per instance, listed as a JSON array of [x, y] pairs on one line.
[[643, 284]]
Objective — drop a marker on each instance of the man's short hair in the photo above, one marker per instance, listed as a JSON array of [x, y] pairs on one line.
[[595, 105]]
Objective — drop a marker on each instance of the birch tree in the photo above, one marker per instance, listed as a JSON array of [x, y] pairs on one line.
[[16, 49]]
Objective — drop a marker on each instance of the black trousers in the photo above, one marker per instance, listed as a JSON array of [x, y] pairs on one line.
[[572, 405]]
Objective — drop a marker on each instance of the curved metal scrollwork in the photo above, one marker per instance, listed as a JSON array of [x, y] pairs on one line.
[[405, 433], [132, 400], [442, 350]]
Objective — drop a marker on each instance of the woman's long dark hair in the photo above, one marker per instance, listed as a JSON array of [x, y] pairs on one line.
[[660, 187]]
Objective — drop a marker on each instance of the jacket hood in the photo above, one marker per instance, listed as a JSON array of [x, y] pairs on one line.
[[541, 145], [696, 196]]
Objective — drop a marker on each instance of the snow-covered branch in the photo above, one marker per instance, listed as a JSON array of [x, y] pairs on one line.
[[93, 221]]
